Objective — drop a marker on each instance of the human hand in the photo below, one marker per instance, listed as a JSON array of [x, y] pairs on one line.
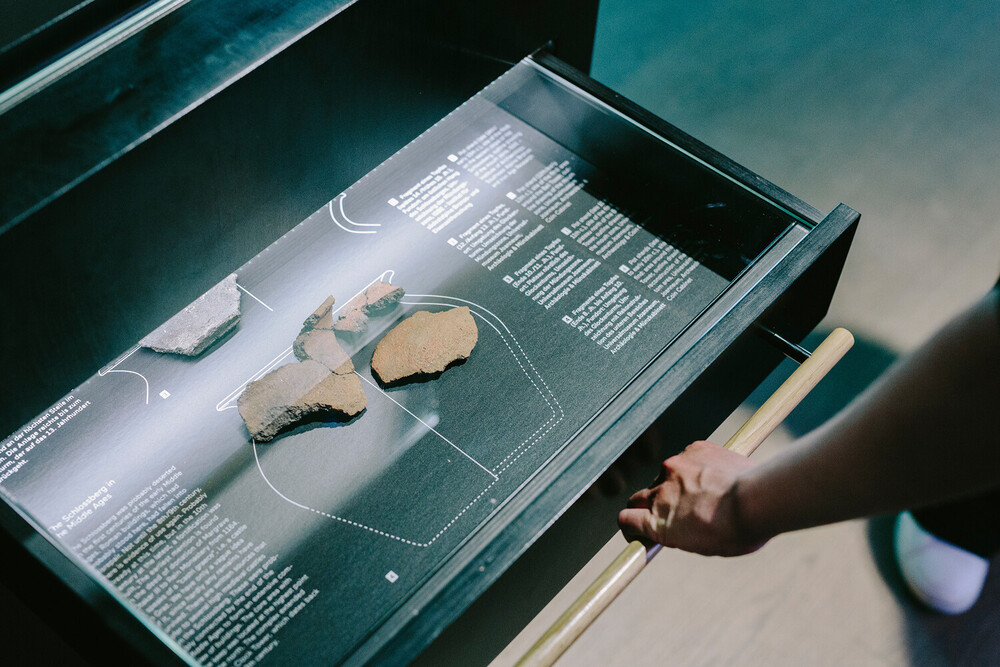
[[693, 504]]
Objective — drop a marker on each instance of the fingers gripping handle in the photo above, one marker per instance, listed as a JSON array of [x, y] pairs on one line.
[[627, 565]]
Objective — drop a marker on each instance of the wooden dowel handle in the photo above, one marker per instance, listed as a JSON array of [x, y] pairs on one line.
[[629, 563], [790, 393], [578, 617]]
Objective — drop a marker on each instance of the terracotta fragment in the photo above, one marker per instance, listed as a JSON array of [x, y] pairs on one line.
[[381, 296], [322, 317], [322, 346], [322, 385], [298, 393], [354, 321], [378, 297], [425, 344]]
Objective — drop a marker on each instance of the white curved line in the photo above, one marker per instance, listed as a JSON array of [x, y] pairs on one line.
[[283, 496], [343, 214], [122, 370], [361, 525], [350, 231], [471, 303], [451, 305]]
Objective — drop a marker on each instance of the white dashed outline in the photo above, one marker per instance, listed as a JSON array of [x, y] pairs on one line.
[[557, 416]]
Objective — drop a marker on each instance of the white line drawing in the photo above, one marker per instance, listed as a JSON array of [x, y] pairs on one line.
[[547, 396], [340, 206], [343, 214], [254, 298], [228, 403], [114, 364], [361, 525], [224, 404], [121, 370], [113, 368], [429, 427]]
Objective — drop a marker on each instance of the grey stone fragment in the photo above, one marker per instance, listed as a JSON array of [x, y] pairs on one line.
[[296, 393], [204, 321], [425, 344]]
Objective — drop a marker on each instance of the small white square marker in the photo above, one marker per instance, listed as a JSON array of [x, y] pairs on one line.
[[393, 202], [452, 241], [452, 158], [511, 195], [391, 576], [164, 394]]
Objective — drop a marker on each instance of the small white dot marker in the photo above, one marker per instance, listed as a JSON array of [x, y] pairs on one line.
[[452, 158], [391, 576], [393, 202], [164, 394], [453, 241], [511, 195]]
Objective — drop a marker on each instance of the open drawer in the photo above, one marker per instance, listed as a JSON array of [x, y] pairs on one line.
[[615, 268]]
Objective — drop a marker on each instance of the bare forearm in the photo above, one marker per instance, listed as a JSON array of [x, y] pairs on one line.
[[926, 432]]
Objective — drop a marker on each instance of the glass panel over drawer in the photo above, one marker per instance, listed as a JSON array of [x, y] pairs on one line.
[[581, 243]]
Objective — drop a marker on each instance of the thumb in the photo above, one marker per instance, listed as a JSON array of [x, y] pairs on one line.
[[637, 524]]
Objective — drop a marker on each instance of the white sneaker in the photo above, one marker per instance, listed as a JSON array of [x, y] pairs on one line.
[[944, 577]]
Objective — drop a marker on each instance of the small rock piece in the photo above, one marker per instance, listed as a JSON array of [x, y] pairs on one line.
[[207, 319], [379, 296], [353, 321], [299, 392], [321, 318], [425, 344]]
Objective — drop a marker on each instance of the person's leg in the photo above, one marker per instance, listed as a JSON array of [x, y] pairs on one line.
[[972, 524], [944, 551]]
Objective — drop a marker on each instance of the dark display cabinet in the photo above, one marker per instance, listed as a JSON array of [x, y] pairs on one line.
[[618, 271]]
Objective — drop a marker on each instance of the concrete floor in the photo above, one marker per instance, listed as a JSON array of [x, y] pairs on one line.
[[891, 108]]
